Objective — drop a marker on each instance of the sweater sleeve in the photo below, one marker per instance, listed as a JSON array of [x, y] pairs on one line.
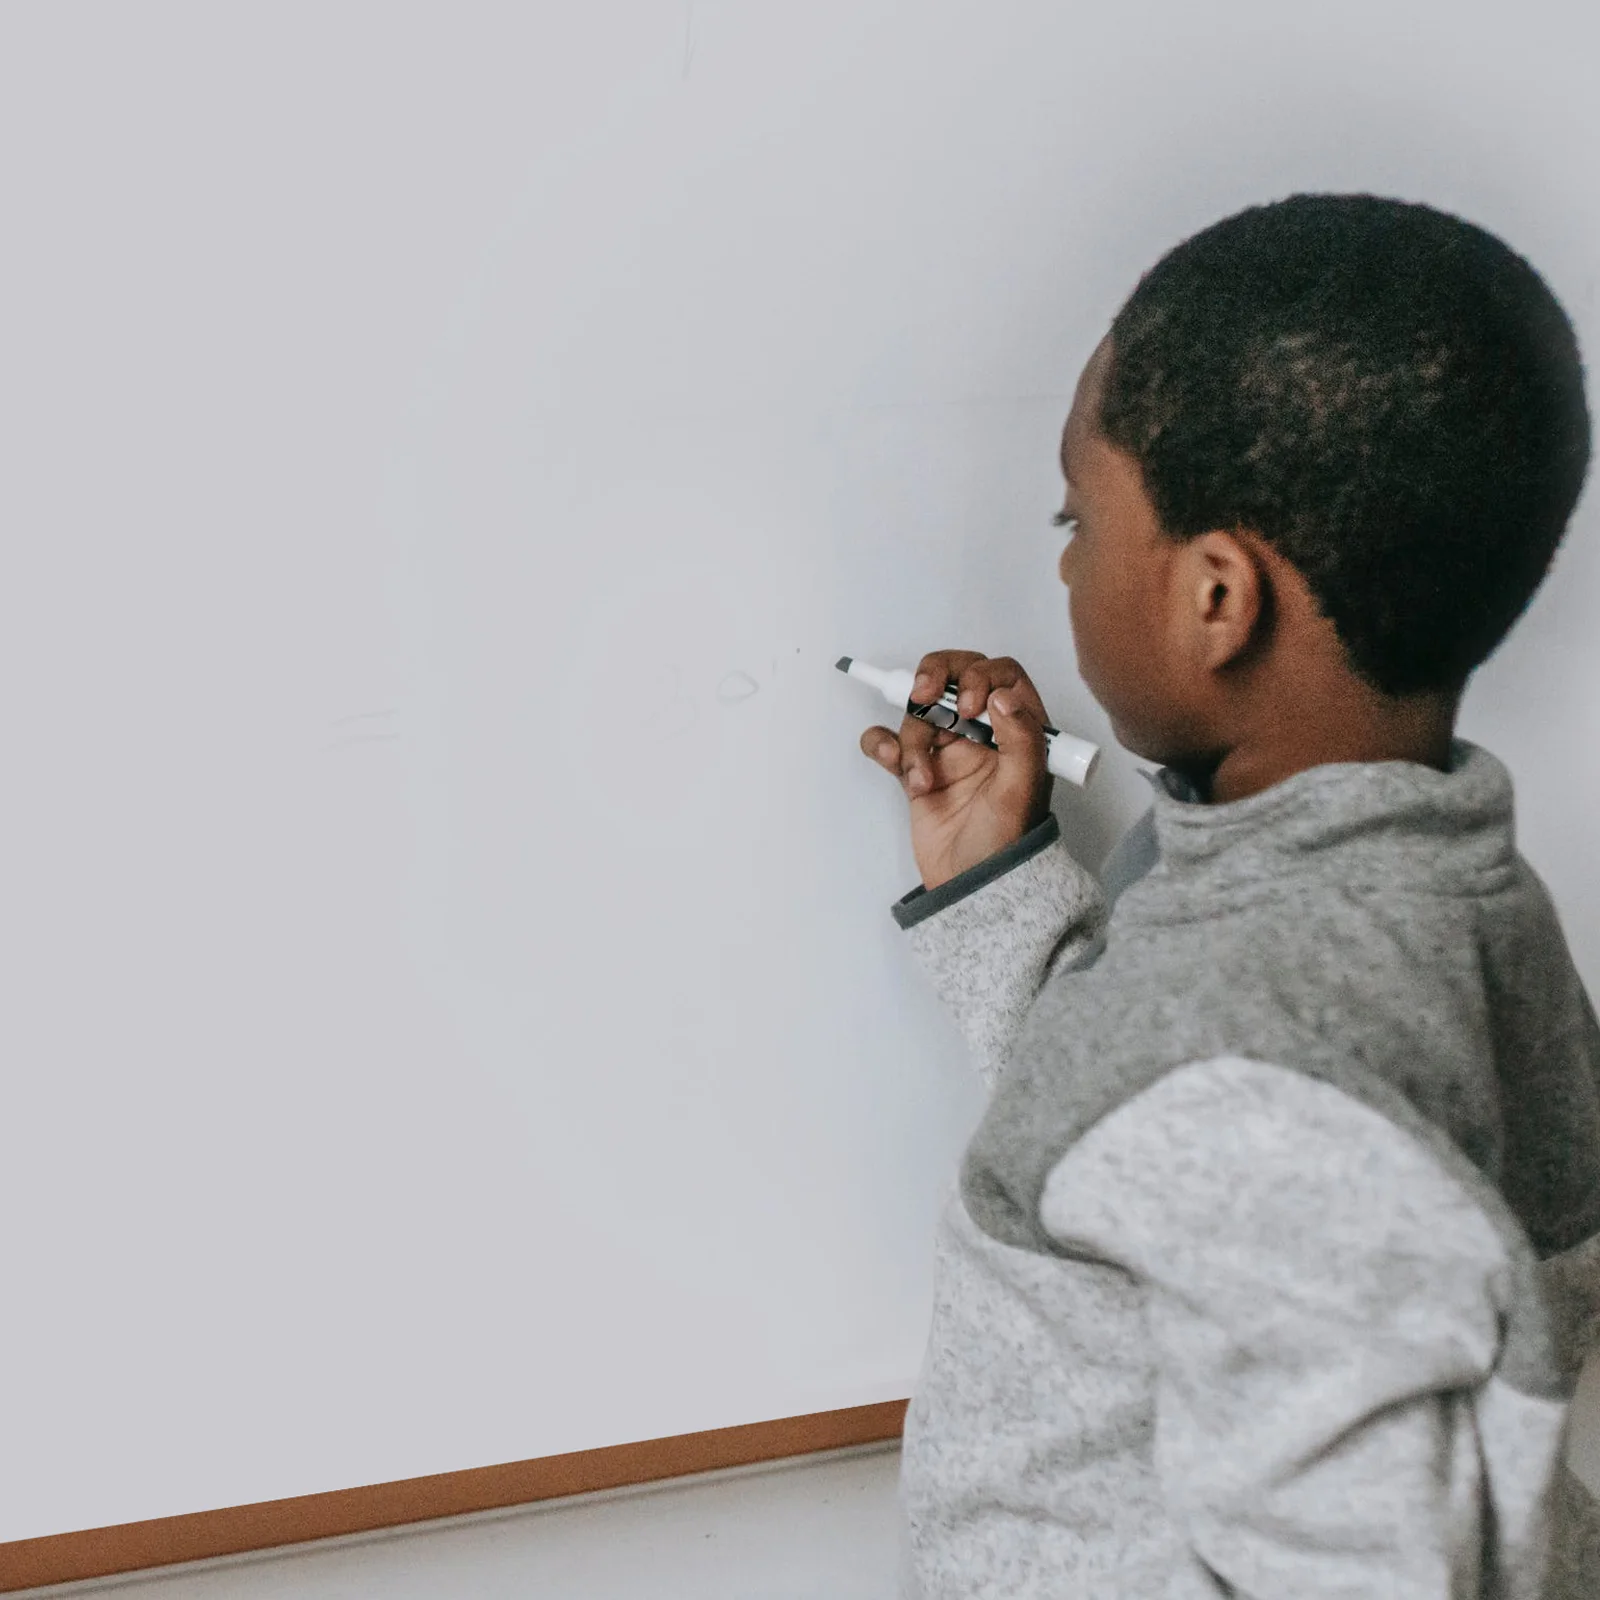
[[990, 938], [1325, 1305]]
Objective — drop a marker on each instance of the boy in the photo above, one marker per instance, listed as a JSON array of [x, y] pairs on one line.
[[1272, 1263]]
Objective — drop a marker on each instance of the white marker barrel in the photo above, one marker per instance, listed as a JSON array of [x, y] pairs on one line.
[[1068, 756]]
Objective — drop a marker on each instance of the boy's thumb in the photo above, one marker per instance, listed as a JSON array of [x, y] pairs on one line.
[[1024, 755]]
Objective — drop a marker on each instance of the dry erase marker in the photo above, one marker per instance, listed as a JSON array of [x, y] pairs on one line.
[[1069, 757]]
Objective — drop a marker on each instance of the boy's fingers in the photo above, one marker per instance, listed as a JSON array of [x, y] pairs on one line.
[[883, 747], [982, 678], [983, 684], [937, 668], [919, 742], [914, 772], [1021, 784], [918, 739]]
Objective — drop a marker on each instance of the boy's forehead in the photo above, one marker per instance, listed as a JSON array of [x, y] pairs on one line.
[[1072, 445], [1085, 403]]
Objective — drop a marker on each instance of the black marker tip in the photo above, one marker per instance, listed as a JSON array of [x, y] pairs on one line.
[[843, 663]]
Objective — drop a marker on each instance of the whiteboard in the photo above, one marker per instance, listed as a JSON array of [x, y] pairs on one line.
[[452, 1009]]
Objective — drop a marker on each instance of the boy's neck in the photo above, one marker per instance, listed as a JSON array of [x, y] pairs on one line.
[[1419, 729]]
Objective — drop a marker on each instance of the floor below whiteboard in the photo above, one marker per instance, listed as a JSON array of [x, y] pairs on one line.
[[824, 1528]]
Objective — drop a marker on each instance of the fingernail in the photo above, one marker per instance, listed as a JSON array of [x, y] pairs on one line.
[[1001, 701], [919, 778]]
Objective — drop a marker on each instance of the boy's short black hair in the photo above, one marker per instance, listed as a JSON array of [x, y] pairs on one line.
[[1388, 395]]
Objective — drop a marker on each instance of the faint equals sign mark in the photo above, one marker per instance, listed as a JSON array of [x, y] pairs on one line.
[[364, 727]]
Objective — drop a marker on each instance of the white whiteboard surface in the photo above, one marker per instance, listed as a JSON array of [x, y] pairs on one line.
[[452, 1012]]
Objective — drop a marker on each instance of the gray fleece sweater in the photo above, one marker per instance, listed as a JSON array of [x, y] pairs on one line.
[[1272, 1264]]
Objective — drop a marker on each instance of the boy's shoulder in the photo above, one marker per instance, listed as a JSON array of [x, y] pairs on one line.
[[1459, 1019]]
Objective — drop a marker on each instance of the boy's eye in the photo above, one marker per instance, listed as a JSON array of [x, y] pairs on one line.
[[1062, 520]]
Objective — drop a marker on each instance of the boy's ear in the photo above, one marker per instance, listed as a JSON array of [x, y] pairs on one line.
[[1232, 595]]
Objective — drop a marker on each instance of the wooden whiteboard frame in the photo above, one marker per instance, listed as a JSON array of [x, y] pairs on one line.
[[199, 1535]]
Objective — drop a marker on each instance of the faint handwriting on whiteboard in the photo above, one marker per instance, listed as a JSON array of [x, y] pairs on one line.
[[364, 727], [677, 708], [737, 686]]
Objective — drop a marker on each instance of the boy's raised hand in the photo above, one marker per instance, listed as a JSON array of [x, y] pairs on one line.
[[967, 800]]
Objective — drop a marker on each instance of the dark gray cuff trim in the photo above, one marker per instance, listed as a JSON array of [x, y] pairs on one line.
[[923, 903]]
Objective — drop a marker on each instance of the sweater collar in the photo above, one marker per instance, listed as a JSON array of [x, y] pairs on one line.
[[1372, 822]]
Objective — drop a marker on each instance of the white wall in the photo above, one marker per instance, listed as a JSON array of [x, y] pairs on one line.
[[445, 917]]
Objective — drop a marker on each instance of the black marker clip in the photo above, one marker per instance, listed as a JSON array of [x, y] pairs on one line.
[[942, 714]]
